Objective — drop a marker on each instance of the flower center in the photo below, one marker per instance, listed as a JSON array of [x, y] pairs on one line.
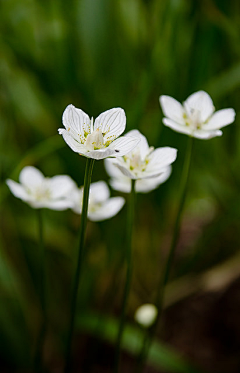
[[95, 140], [42, 193], [193, 118]]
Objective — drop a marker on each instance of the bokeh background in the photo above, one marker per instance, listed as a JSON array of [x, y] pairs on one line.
[[121, 53]]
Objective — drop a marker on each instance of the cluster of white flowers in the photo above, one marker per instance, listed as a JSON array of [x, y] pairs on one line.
[[128, 157]]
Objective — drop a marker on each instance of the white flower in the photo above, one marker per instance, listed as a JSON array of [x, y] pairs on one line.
[[146, 314], [122, 183], [196, 117], [96, 140], [100, 206], [40, 192], [143, 162]]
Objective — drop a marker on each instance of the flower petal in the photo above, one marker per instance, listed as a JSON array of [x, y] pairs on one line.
[[17, 190], [76, 120], [58, 205], [202, 102], [112, 123], [143, 146], [172, 109], [99, 192], [124, 145], [147, 185], [108, 209], [101, 153], [31, 177], [177, 127], [110, 167], [159, 159], [206, 134], [61, 186], [125, 170], [220, 119], [72, 143], [122, 184]]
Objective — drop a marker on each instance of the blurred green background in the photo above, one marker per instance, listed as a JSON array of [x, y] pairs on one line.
[[98, 55]]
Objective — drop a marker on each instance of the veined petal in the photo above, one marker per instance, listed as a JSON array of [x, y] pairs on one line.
[[17, 190], [125, 171], [143, 146], [206, 134], [112, 123], [101, 153], [31, 177], [172, 109], [161, 158], [99, 192], [108, 209], [220, 119], [60, 186], [124, 145], [202, 102], [76, 120], [72, 143], [177, 127]]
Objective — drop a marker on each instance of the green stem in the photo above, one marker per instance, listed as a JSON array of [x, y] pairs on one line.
[[164, 278], [130, 221], [87, 181], [42, 296]]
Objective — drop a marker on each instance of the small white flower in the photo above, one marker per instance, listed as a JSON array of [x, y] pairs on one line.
[[196, 117], [41, 192], [96, 140], [146, 314], [100, 206], [148, 166]]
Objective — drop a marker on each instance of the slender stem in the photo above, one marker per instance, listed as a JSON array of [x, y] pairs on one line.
[[164, 278], [42, 296], [130, 221], [87, 181]]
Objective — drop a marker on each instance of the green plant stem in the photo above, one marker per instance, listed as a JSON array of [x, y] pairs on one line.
[[87, 181], [130, 220], [42, 289], [150, 333]]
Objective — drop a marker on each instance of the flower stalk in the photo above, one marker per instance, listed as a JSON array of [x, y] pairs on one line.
[[150, 333], [130, 221], [87, 181]]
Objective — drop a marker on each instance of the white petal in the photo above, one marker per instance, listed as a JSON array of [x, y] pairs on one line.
[[177, 127], [101, 153], [220, 119], [206, 135], [60, 186], [147, 185], [76, 120], [124, 145], [200, 101], [99, 192], [172, 109], [122, 184], [112, 123], [159, 159], [17, 190], [58, 205], [31, 177], [72, 143], [143, 146], [110, 208], [110, 167]]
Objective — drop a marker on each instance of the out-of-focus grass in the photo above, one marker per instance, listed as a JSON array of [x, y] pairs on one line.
[[97, 55]]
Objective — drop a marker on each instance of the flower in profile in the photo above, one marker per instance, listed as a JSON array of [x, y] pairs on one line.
[[98, 139], [42, 192], [146, 314], [149, 166], [196, 117], [100, 206]]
